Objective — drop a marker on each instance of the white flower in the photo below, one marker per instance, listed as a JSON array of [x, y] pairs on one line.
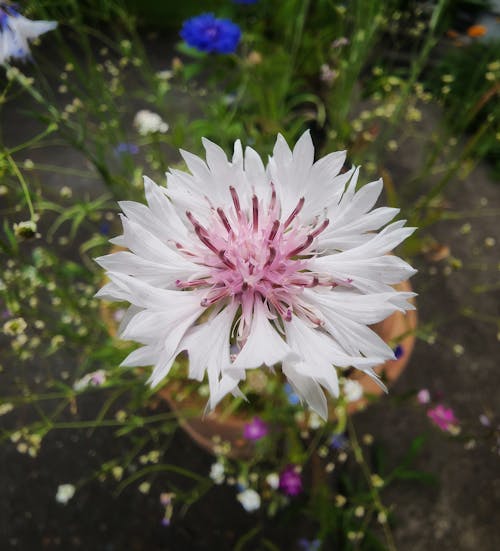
[[314, 421], [64, 493], [273, 479], [249, 499], [243, 266], [148, 122], [217, 473], [96, 378], [352, 390], [16, 31]]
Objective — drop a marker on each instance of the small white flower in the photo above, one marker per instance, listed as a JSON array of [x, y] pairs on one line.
[[64, 493], [273, 479], [96, 378], [16, 31], [249, 499], [314, 421], [327, 74], [352, 390], [165, 75], [217, 473], [6, 408], [245, 266], [148, 122]]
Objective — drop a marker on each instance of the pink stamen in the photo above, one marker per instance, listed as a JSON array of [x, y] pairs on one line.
[[302, 247], [225, 259], [251, 257], [272, 203], [225, 221], [255, 212], [320, 228], [236, 202], [274, 230], [295, 212], [272, 256]]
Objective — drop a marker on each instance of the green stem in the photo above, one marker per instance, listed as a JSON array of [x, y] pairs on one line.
[[358, 454], [24, 186]]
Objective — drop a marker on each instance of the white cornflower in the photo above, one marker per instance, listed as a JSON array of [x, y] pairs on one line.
[[243, 266], [148, 122], [64, 493], [352, 390], [249, 499], [16, 31]]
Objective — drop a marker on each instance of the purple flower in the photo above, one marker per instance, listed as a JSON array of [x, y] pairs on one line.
[[125, 147], [399, 351], [338, 441], [245, 1], [104, 227], [290, 481], [208, 34], [255, 430], [309, 545], [443, 417]]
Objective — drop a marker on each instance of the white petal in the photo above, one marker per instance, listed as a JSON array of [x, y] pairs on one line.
[[307, 389], [31, 29], [208, 344], [264, 345]]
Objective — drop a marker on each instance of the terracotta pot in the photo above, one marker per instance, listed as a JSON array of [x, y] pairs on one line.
[[397, 328]]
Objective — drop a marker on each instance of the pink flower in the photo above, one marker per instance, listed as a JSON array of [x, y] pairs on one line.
[[255, 430], [443, 417], [423, 396], [290, 481]]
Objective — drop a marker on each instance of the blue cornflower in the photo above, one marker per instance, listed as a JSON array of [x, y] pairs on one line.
[[16, 31], [207, 33]]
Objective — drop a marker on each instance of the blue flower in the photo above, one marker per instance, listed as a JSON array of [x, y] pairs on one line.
[[293, 399], [208, 34], [309, 545], [399, 351], [124, 147], [16, 31], [338, 441], [245, 1]]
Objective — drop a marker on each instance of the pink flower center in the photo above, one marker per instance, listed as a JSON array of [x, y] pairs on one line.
[[254, 253]]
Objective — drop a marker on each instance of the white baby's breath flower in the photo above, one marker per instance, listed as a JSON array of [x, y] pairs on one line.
[[243, 265], [96, 378], [148, 122], [16, 31], [64, 493], [273, 479], [249, 499], [6, 408], [217, 472], [352, 390]]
